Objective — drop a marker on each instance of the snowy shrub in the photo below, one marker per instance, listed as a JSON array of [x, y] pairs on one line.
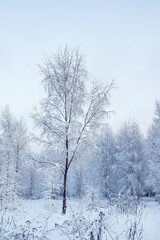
[[134, 232], [9, 230], [127, 205], [92, 198], [135, 229], [80, 227]]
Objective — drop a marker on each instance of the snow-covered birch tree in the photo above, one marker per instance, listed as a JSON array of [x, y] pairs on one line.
[[69, 114]]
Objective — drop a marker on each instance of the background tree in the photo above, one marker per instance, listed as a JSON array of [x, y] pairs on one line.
[[76, 178], [106, 162], [14, 147], [153, 153], [69, 115], [21, 140], [130, 160], [8, 189]]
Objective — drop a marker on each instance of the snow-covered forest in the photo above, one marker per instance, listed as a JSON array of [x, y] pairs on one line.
[[83, 180]]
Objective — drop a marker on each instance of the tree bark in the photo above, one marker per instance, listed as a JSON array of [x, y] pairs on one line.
[[64, 207]]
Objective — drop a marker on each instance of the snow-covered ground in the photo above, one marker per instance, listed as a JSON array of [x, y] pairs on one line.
[[151, 220], [40, 219]]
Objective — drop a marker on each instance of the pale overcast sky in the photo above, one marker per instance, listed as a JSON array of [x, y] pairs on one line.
[[121, 38]]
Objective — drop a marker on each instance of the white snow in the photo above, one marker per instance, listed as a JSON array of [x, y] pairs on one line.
[[40, 217]]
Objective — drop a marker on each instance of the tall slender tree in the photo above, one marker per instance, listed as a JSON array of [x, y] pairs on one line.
[[69, 114]]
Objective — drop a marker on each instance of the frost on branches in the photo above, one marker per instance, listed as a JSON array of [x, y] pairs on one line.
[[69, 115]]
